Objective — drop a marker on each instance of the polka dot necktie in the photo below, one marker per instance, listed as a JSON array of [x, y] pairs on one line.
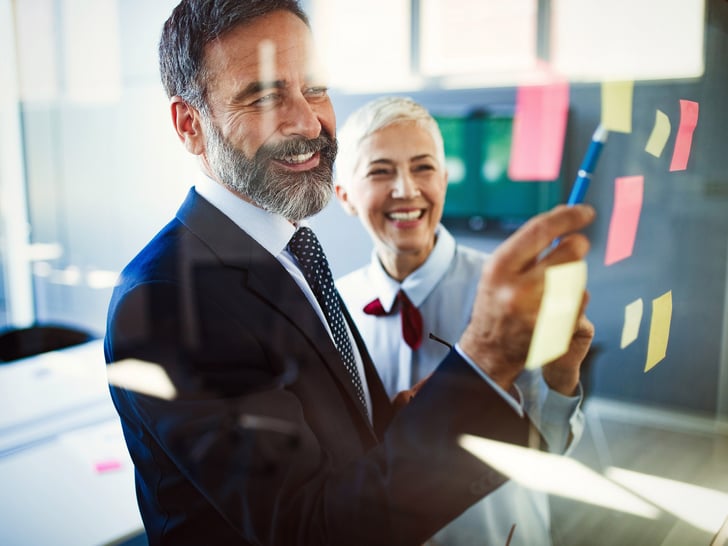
[[306, 248]]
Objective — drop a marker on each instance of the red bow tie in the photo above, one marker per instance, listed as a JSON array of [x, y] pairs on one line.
[[411, 318]]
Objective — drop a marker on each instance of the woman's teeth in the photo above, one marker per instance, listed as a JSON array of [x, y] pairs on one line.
[[405, 216]]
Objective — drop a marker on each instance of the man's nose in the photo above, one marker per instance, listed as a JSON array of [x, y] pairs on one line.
[[301, 118]]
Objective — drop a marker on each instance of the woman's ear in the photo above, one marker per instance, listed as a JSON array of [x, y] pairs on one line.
[[343, 198], [186, 120]]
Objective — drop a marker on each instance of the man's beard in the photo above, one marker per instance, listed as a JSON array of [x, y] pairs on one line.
[[293, 195]]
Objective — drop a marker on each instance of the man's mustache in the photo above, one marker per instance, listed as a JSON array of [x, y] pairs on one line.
[[324, 143]]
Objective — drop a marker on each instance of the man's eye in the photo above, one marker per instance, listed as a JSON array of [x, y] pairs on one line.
[[317, 92], [266, 100], [379, 172]]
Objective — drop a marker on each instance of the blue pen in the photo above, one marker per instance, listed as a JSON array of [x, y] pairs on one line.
[[583, 177]]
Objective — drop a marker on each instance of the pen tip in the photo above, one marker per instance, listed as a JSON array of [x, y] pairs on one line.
[[600, 134]]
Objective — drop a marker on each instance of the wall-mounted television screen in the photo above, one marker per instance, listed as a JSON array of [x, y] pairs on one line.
[[480, 193]]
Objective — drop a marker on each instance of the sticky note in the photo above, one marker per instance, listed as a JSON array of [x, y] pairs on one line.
[[683, 142], [107, 466], [659, 330], [617, 106], [632, 320], [660, 134], [539, 128], [563, 293], [628, 194]]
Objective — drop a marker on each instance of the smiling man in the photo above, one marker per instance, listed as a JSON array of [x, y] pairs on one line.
[[280, 431]]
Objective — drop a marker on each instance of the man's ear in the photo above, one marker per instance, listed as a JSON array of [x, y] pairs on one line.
[[343, 197], [186, 120]]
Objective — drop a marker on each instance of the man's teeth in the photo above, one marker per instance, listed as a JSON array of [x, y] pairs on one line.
[[405, 216], [300, 158]]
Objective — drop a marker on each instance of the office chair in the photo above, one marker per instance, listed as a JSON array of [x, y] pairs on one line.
[[18, 343]]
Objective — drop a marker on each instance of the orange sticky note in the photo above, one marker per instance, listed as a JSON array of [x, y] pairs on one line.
[[688, 121], [659, 330], [660, 134], [617, 106], [539, 128], [562, 297], [628, 192]]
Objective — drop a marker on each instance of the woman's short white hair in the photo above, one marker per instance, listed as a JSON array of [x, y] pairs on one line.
[[373, 116]]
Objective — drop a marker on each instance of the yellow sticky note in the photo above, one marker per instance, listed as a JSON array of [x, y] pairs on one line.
[[563, 293], [632, 320], [659, 330], [617, 106], [660, 133]]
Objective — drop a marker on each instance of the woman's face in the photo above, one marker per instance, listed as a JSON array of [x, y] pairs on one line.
[[398, 192]]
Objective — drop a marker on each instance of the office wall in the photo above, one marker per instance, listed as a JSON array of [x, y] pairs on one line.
[[680, 244]]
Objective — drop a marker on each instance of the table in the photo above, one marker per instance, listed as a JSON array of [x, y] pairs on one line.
[[66, 475]]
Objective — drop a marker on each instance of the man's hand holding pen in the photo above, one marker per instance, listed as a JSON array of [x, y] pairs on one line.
[[509, 295]]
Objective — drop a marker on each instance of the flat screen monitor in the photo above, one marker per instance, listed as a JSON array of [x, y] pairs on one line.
[[480, 194]]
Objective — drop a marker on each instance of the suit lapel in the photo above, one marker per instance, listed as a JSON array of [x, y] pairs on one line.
[[267, 278], [272, 282], [382, 409]]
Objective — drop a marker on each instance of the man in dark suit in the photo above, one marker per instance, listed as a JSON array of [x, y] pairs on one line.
[[280, 431]]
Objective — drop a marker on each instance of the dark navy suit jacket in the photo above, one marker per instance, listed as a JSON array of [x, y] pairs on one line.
[[265, 442]]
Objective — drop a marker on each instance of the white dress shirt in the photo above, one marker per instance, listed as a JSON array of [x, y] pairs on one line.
[[443, 289]]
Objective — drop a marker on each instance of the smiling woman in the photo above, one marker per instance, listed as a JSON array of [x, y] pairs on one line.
[[392, 176], [397, 188]]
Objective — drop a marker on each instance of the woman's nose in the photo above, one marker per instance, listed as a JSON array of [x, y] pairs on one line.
[[405, 187]]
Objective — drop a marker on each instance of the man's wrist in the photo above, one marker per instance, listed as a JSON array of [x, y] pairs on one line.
[[498, 372], [565, 383], [514, 400]]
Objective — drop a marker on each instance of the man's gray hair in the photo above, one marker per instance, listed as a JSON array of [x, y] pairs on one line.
[[194, 24]]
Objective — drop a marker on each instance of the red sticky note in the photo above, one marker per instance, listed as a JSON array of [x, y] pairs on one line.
[[628, 193], [539, 128], [683, 142]]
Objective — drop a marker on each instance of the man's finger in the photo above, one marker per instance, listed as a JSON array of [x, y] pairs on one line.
[[523, 247], [571, 248]]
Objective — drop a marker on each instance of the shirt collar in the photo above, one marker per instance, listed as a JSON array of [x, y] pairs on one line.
[[270, 230], [422, 280]]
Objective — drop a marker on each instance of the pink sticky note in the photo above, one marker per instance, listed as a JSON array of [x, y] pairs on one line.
[[683, 142], [107, 465], [628, 192], [539, 128]]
